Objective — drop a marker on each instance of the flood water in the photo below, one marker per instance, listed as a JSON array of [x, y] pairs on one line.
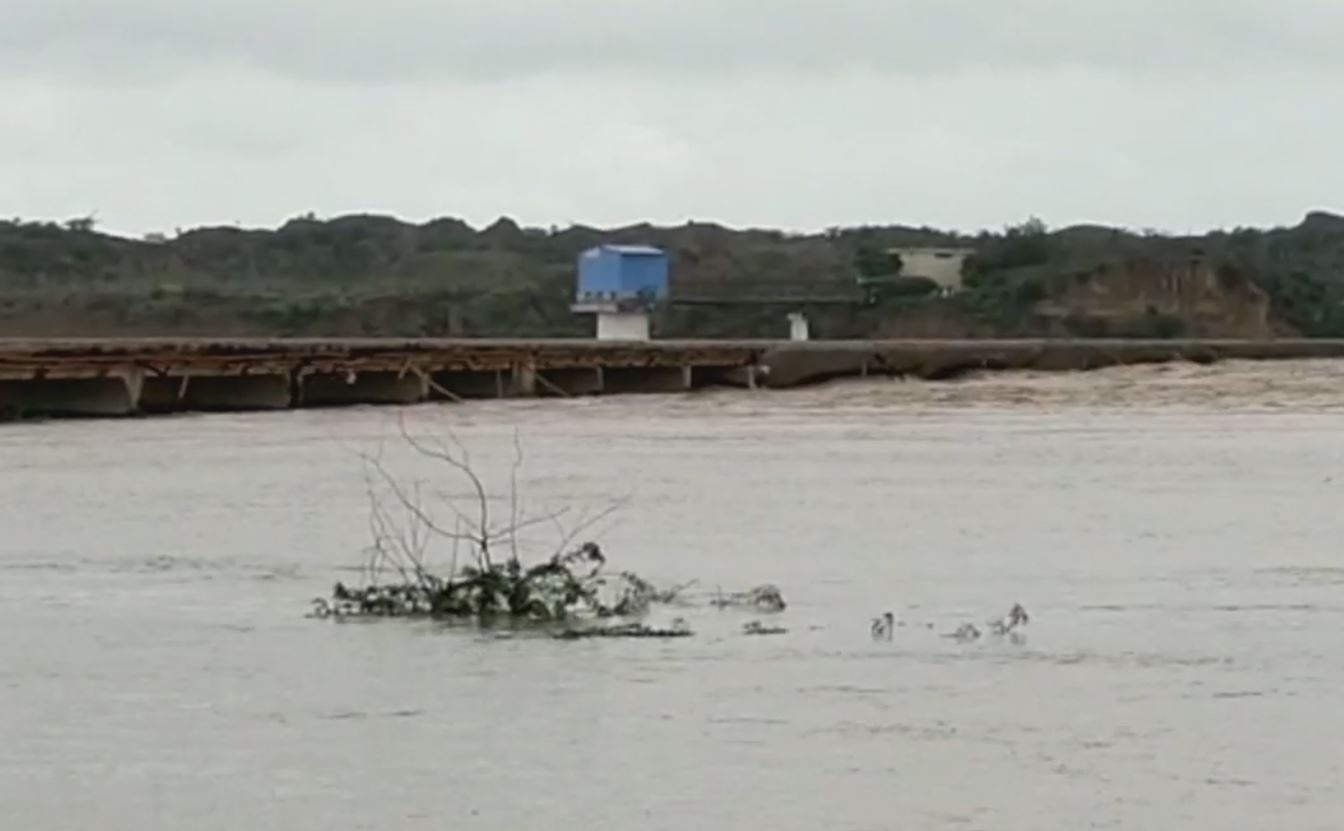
[[1174, 531]]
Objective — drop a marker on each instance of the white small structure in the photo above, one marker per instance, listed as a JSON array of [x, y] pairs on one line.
[[622, 325], [941, 265], [798, 329]]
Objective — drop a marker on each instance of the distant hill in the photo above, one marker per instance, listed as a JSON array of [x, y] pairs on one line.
[[377, 276]]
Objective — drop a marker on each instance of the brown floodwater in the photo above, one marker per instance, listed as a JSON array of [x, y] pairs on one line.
[[1174, 531]]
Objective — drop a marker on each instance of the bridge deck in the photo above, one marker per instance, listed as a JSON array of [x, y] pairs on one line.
[[117, 377]]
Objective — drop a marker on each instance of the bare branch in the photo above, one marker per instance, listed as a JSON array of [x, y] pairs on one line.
[[409, 541], [383, 534], [376, 553], [463, 466], [513, 494], [450, 503], [452, 568], [410, 505], [586, 522], [529, 522], [402, 538]]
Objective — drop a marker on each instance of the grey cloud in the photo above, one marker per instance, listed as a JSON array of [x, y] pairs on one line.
[[403, 39], [975, 150], [1174, 113]]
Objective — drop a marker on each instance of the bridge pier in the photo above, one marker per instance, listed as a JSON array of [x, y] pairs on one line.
[[523, 381]]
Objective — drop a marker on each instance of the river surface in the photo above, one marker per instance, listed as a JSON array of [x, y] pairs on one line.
[[1174, 531]]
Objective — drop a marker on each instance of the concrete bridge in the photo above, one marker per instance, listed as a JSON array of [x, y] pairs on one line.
[[148, 376]]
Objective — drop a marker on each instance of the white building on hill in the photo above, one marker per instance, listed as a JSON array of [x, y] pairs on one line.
[[941, 265]]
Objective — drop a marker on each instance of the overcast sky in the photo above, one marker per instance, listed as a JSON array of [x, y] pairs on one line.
[[1173, 114]]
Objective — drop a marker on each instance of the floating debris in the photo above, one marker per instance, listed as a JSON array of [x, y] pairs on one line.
[[566, 586], [755, 627], [678, 629], [1005, 626], [484, 579], [1017, 616], [967, 632], [766, 598], [883, 626], [639, 594]]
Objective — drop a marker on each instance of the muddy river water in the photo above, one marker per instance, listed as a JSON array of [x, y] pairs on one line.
[[1176, 533]]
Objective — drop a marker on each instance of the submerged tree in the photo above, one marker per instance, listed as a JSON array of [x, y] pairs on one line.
[[486, 577]]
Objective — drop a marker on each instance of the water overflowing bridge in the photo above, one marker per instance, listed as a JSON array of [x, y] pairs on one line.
[[149, 376]]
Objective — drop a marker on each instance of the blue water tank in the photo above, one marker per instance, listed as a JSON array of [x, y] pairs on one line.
[[622, 273]]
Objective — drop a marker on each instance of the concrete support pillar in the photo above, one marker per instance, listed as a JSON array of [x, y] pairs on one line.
[[523, 381], [134, 379]]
